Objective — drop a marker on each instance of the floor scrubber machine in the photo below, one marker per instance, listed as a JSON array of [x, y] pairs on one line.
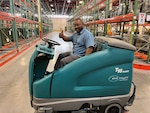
[[100, 82]]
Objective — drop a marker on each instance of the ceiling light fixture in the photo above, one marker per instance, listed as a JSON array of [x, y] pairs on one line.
[[81, 2], [68, 1]]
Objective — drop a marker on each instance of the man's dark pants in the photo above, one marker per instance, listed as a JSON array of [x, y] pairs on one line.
[[65, 58]]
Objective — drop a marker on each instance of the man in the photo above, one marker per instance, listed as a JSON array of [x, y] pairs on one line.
[[83, 44]]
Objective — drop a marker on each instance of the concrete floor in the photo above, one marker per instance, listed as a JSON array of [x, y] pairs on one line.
[[14, 93]]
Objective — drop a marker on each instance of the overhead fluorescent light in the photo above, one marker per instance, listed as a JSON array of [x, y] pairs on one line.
[[81, 2], [60, 16], [68, 1]]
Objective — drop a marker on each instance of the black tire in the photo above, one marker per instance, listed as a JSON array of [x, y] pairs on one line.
[[114, 108]]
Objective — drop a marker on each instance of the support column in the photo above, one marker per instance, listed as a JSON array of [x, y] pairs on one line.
[[39, 17], [34, 26], [0, 35], [133, 21], [0, 41], [14, 27], [26, 23], [148, 58], [95, 26], [106, 16]]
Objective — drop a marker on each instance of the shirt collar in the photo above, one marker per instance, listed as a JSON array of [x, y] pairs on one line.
[[81, 32]]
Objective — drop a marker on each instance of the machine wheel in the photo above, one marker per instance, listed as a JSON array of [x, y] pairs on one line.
[[42, 111], [38, 111], [114, 108]]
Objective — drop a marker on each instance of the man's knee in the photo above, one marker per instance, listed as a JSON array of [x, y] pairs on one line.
[[67, 60], [63, 62], [64, 54]]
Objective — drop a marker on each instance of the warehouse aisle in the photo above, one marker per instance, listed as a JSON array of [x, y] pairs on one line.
[[14, 93], [142, 99]]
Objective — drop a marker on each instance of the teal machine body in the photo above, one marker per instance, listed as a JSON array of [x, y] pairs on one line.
[[102, 79]]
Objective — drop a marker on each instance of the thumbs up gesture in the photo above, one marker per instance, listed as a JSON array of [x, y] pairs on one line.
[[61, 34]]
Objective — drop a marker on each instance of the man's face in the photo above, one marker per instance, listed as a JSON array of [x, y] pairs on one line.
[[78, 25]]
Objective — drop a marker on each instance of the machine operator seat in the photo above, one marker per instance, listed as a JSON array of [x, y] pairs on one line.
[[97, 46]]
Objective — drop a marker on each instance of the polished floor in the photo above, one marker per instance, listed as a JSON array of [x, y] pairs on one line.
[[14, 93]]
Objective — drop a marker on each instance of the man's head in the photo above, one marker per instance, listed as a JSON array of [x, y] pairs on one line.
[[78, 25]]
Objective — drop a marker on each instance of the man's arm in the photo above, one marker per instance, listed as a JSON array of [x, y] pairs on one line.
[[89, 50], [61, 35]]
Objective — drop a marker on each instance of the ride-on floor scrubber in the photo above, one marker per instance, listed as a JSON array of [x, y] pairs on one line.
[[100, 82]]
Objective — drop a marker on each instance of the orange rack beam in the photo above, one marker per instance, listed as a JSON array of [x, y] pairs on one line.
[[138, 65], [116, 19], [141, 66], [9, 17]]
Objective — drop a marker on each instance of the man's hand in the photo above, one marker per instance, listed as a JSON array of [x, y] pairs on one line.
[[61, 35]]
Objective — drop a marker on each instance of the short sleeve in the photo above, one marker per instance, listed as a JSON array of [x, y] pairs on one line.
[[89, 40]]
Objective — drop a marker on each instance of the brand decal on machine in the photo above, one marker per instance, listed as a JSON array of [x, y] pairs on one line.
[[116, 78], [121, 70]]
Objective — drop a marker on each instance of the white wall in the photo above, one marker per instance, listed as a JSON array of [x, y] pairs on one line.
[[59, 24]]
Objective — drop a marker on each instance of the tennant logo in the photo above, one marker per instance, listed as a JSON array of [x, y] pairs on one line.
[[115, 78]]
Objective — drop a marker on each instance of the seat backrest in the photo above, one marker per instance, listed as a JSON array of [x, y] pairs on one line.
[[97, 46]]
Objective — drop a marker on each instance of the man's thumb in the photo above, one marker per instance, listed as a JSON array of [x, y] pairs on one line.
[[62, 32]]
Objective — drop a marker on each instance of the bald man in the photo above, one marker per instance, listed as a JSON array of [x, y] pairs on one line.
[[83, 44]]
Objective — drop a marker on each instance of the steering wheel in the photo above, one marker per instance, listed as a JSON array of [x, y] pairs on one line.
[[51, 42]]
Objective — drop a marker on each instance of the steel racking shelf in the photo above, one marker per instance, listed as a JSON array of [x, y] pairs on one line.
[[116, 19], [19, 27]]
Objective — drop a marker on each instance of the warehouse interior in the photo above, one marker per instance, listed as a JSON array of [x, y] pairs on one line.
[[24, 23]]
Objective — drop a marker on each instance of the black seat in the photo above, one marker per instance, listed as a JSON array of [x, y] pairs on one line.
[[97, 46]]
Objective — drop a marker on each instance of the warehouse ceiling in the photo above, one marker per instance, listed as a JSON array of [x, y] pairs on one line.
[[59, 7], [49, 7], [56, 7]]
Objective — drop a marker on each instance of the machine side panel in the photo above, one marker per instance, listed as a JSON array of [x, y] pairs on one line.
[[31, 71], [103, 73], [41, 87]]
